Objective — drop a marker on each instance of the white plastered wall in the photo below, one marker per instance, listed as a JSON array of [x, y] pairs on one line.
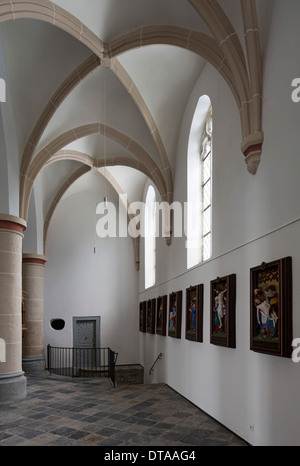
[[9, 169], [82, 281], [255, 219]]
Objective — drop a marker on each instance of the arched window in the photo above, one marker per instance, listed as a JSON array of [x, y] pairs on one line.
[[206, 173], [199, 172], [150, 238]]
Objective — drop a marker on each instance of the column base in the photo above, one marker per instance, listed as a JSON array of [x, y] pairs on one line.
[[13, 386], [32, 364]]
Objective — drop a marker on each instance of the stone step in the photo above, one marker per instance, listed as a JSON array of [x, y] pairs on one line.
[[129, 375]]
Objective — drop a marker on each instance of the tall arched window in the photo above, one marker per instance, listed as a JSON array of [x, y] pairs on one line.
[[199, 172], [206, 173], [150, 238]]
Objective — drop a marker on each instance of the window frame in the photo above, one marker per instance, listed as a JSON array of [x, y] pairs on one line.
[[206, 140]]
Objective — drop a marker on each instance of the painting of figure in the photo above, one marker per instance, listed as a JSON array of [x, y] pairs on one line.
[[223, 295], [271, 303], [194, 313], [161, 315], [175, 311], [151, 305], [220, 310], [142, 317], [266, 317]]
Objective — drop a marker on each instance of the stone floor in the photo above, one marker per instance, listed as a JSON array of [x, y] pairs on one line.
[[61, 411]]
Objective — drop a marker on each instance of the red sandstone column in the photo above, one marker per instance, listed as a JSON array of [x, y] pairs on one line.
[[33, 288], [12, 380]]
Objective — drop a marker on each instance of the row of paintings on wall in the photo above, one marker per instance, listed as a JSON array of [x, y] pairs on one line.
[[270, 311]]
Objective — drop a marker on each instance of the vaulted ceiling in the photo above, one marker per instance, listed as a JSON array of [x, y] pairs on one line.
[[100, 83]]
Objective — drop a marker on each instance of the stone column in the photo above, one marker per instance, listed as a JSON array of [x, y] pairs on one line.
[[12, 379], [33, 288]]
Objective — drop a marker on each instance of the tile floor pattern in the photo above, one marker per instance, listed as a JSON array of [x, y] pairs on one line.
[[61, 411]]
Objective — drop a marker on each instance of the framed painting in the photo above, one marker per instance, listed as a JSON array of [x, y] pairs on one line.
[[194, 313], [223, 302], [161, 315], [142, 317], [151, 308], [175, 314], [271, 308]]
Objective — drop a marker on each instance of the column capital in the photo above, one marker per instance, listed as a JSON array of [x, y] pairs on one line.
[[38, 259], [10, 222]]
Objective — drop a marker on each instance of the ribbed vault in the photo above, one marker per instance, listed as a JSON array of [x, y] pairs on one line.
[[238, 60], [57, 144], [245, 85]]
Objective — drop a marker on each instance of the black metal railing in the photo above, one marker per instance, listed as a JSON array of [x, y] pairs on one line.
[[155, 362], [82, 362]]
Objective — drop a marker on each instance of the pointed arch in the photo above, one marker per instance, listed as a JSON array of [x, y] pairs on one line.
[[99, 163], [248, 84], [46, 10], [64, 139], [67, 184], [224, 35], [80, 73], [58, 196]]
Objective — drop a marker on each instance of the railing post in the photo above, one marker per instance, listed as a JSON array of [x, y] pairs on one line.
[[111, 366], [72, 361], [49, 358]]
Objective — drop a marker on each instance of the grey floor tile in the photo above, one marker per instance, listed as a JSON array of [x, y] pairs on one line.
[[4, 436], [60, 411], [196, 437], [108, 432]]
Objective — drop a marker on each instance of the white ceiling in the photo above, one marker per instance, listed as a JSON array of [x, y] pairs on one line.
[[110, 19], [40, 56]]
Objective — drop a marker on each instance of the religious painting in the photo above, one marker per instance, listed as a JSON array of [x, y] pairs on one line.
[[150, 316], [223, 297], [194, 314], [142, 317], [175, 313], [271, 308], [161, 315]]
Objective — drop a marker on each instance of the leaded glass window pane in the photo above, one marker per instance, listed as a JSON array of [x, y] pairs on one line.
[[206, 221], [207, 167], [207, 194], [207, 247], [206, 187]]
